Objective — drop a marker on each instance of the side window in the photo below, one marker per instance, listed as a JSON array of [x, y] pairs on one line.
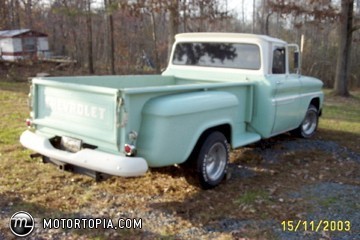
[[279, 61]]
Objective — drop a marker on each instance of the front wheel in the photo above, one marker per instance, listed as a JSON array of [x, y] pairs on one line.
[[309, 124], [212, 160]]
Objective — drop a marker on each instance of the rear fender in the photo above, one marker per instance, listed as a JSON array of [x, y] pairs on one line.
[[172, 125]]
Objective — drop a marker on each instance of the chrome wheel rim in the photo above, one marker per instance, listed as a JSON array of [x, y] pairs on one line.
[[310, 123], [215, 161]]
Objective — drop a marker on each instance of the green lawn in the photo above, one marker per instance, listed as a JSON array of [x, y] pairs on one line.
[[341, 120]]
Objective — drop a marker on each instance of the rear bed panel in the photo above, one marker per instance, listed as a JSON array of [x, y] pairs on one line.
[[87, 114], [93, 113]]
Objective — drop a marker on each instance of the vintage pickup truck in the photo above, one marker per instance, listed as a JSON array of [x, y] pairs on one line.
[[219, 91]]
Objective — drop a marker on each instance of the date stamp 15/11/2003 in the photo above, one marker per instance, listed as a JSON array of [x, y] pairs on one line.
[[316, 226]]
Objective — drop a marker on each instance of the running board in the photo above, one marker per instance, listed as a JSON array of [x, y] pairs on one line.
[[245, 139]]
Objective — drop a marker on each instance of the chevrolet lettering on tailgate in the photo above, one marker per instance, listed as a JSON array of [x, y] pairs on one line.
[[63, 106]]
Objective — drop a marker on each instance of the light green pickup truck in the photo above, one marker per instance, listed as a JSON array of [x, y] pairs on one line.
[[219, 91]]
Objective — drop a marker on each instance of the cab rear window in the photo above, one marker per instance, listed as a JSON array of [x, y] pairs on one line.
[[225, 55]]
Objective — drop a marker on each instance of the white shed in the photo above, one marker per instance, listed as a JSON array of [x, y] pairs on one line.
[[23, 44]]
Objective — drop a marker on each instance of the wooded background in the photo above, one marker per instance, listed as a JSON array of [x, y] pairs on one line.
[[135, 36]]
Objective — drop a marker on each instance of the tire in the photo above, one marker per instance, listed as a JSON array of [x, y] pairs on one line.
[[310, 123], [212, 160]]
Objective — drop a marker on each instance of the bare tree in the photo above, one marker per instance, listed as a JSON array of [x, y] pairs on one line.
[[254, 18], [14, 14], [4, 14], [243, 11], [110, 35], [346, 30], [155, 41], [89, 37], [173, 9], [28, 4]]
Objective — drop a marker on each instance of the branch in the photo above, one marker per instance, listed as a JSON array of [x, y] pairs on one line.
[[355, 28]]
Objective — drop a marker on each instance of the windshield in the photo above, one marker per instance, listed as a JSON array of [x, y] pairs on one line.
[[227, 55]]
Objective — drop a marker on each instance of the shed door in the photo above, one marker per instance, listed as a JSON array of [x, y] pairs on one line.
[[29, 44]]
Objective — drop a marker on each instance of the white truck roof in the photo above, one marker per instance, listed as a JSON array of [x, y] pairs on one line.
[[231, 37]]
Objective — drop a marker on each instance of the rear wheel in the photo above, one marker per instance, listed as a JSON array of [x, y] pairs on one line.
[[310, 123], [212, 160]]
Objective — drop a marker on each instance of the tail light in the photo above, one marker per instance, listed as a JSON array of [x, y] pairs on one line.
[[28, 122], [130, 150]]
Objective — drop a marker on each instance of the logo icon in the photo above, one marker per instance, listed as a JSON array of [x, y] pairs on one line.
[[22, 224]]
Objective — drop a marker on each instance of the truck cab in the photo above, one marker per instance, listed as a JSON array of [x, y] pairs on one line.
[[280, 91]]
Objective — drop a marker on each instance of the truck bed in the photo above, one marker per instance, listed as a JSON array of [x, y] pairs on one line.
[[128, 81], [101, 110]]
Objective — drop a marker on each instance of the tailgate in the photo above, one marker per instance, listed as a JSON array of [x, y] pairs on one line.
[[89, 113]]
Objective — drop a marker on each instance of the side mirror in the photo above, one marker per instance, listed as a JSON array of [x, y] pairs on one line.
[[296, 60], [294, 64]]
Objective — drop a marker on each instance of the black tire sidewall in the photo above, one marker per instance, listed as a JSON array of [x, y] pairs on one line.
[[213, 138]]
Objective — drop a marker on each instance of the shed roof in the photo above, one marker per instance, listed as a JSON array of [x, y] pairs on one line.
[[20, 32]]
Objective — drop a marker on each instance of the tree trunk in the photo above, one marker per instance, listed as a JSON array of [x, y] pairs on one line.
[[14, 14], [155, 40], [185, 12], [345, 39], [202, 16], [173, 23], [28, 11], [111, 47], [254, 18], [89, 38], [4, 16]]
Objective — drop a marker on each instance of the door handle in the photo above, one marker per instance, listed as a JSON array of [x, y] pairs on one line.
[[279, 82]]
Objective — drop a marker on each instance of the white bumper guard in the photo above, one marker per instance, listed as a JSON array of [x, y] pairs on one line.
[[87, 158]]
